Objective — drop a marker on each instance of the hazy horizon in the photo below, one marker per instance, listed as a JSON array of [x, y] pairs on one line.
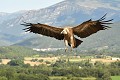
[[10, 6]]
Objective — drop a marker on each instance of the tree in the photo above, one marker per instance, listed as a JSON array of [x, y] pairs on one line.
[[99, 64], [16, 62], [0, 60], [10, 74], [47, 62], [75, 78], [69, 76], [7, 73], [26, 65], [3, 78], [104, 75], [115, 64], [34, 60], [33, 77], [41, 60]]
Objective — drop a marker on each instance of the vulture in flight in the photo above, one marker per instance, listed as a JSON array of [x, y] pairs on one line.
[[83, 30]]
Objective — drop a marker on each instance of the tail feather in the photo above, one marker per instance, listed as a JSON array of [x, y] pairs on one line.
[[78, 42]]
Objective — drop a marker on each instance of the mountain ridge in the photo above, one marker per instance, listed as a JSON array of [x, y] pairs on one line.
[[68, 12]]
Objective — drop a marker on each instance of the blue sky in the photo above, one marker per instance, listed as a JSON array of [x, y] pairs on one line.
[[17, 5]]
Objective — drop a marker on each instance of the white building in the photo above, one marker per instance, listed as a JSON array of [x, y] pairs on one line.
[[116, 59]]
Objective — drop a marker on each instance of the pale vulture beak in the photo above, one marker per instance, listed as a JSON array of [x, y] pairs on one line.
[[61, 32]]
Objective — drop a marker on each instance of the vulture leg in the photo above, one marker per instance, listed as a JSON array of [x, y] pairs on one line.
[[72, 42], [66, 45], [71, 49]]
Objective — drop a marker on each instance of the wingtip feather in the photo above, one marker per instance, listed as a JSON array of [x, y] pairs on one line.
[[103, 17], [26, 24]]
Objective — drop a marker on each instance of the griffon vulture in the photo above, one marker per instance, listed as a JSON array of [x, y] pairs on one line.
[[83, 30]]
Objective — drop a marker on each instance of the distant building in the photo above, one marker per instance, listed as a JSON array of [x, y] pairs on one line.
[[114, 58], [80, 67]]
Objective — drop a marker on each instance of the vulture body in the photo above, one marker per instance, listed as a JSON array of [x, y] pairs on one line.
[[83, 30]]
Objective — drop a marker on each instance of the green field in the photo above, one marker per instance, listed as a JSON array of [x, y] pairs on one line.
[[63, 77], [89, 78], [57, 77], [115, 77]]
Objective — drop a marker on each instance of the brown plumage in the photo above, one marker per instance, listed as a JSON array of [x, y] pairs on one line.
[[83, 30]]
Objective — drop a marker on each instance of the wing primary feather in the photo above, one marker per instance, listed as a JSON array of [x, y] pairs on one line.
[[106, 23], [27, 24], [106, 26], [26, 28], [108, 20], [102, 18]]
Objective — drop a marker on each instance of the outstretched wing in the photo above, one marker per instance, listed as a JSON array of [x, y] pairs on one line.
[[90, 27], [45, 30]]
